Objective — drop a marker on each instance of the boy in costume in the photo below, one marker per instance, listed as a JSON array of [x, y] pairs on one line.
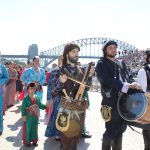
[[30, 107]]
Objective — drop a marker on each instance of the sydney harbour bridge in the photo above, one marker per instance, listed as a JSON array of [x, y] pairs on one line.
[[90, 48]]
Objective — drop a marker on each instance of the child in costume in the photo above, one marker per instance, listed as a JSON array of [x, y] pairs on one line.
[[30, 108]]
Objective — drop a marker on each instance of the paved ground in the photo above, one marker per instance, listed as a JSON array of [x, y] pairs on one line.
[[12, 136]]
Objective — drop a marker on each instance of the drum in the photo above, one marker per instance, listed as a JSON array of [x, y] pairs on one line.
[[134, 106], [70, 118], [68, 123]]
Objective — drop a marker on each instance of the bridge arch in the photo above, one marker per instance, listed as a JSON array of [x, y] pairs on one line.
[[50, 55]]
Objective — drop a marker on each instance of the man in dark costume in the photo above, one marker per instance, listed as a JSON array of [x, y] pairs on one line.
[[144, 81], [70, 119], [113, 76]]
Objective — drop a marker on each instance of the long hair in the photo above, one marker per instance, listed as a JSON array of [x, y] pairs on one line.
[[68, 47]]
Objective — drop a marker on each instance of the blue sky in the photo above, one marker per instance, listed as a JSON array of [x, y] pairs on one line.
[[50, 23]]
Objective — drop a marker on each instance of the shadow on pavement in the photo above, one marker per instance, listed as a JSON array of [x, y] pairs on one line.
[[16, 125], [26, 148], [16, 140], [51, 144], [17, 110]]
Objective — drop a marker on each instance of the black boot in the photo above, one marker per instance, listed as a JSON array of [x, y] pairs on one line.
[[146, 137], [106, 144], [117, 143]]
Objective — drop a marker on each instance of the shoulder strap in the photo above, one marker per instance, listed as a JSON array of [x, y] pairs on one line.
[[147, 73], [134, 129], [123, 70], [119, 63]]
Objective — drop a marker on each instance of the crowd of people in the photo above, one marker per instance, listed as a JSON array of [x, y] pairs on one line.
[[68, 84], [25, 85], [134, 60]]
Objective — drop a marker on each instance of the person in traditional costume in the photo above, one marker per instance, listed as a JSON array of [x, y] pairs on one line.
[[71, 114], [11, 85], [85, 133], [4, 77], [19, 85], [29, 110], [113, 77], [144, 81], [24, 92], [35, 74], [53, 97]]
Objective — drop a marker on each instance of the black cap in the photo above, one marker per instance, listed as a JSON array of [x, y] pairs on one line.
[[108, 44]]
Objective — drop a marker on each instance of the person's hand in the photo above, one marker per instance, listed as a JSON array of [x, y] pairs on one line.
[[92, 71], [135, 85], [63, 78], [60, 61], [24, 118], [49, 102]]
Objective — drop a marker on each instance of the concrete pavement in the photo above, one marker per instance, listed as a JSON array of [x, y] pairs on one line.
[[12, 135]]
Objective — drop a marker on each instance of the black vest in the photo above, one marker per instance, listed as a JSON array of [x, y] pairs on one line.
[[147, 69]]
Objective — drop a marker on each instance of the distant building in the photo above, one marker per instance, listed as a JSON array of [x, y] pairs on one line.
[[32, 51]]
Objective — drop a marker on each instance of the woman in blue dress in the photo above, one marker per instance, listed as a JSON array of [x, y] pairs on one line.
[[4, 77], [53, 96], [35, 74]]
